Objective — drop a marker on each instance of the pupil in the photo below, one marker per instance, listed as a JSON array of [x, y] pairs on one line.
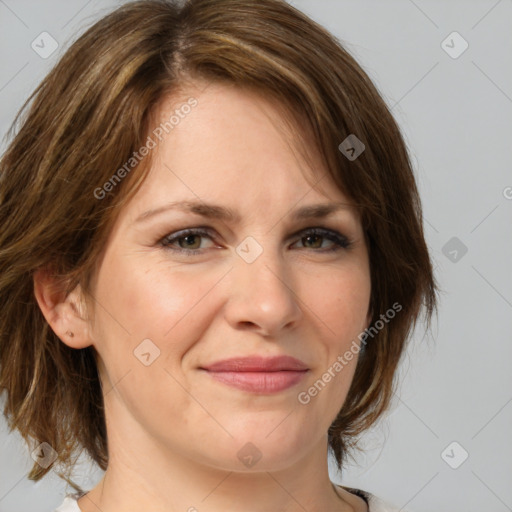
[[309, 237], [188, 239]]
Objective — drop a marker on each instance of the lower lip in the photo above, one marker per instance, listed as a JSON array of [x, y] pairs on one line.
[[260, 382]]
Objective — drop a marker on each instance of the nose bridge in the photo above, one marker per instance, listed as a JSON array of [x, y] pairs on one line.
[[261, 289]]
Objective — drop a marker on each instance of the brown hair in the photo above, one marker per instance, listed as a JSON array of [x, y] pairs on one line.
[[91, 113]]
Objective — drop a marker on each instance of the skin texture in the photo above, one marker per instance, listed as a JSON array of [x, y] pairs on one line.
[[174, 433]]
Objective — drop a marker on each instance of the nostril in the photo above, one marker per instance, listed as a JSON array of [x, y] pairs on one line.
[[247, 323]]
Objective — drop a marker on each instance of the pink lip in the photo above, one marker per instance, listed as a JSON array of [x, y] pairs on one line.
[[260, 382], [259, 374], [257, 364]]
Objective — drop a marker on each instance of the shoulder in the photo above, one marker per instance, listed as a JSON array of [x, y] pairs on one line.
[[70, 503], [375, 504]]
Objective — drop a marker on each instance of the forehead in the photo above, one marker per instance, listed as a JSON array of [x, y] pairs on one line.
[[235, 145]]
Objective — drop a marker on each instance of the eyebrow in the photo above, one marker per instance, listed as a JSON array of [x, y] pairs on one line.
[[213, 211]]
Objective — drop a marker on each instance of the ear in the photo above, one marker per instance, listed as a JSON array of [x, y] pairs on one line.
[[66, 314]]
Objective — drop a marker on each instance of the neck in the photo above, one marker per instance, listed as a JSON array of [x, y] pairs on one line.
[[144, 475]]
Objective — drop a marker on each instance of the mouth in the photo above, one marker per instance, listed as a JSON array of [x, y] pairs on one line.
[[258, 374]]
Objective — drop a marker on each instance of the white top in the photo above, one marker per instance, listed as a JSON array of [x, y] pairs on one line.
[[374, 504]]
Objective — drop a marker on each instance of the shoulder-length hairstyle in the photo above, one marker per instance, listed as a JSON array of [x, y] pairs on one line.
[[94, 110]]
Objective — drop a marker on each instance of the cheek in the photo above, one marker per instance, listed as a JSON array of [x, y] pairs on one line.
[[145, 297], [137, 301], [340, 299]]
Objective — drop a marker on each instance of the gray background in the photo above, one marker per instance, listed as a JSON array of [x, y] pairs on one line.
[[456, 384]]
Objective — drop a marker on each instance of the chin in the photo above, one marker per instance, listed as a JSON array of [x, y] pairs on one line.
[[255, 451]]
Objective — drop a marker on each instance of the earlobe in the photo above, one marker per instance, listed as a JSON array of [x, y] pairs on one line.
[[64, 313]]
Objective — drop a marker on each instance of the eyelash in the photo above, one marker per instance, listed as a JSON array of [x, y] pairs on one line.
[[341, 241]]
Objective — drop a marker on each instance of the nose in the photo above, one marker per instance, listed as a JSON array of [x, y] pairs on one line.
[[263, 296]]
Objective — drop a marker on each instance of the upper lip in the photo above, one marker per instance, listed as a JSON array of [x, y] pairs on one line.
[[257, 364]]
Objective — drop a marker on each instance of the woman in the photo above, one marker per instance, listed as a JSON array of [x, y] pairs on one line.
[[216, 375]]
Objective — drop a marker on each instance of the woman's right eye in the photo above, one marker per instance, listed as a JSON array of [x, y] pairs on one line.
[[189, 236]]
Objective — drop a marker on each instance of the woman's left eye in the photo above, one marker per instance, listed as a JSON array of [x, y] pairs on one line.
[[189, 240], [339, 241]]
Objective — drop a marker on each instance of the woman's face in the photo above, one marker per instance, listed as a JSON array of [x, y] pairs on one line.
[[252, 285]]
